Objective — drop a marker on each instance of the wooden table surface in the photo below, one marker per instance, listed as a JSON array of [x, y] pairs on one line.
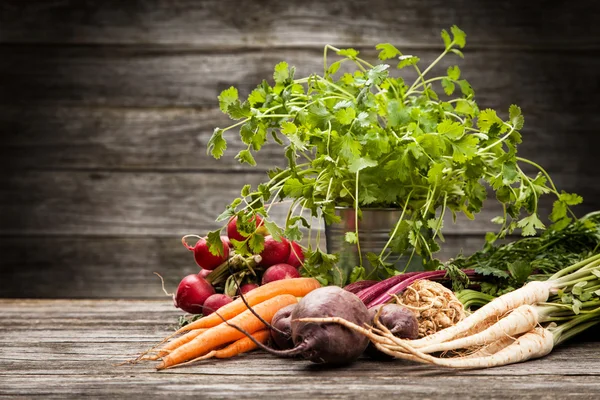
[[69, 348]]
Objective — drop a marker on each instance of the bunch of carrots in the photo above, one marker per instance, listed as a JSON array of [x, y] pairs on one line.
[[214, 336]]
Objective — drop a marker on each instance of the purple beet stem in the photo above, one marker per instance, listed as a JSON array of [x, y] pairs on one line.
[[359, 286], [384, 294], [367, 295]]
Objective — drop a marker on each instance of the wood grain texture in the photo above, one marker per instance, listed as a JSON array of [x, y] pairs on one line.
[[68, 348], [137, 139], [121, 139], [116, 267], [106, 108], [175, 140], [267, 23], [186, 77], [168, 204]]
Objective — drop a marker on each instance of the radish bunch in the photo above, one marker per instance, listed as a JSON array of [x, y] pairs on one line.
[[226, 273]]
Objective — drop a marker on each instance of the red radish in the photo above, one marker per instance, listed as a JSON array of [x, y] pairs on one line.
[[279, 271], [232, 231], [204, 272], [226, 240], [204, 258], [296, 258], [275, 252], [191, 294], [214, 302], [245, 288]]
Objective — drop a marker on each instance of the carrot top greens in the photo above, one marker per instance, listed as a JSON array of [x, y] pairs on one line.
[[362, 137]]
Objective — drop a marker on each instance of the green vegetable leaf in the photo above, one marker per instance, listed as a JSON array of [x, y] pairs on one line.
[[345, 116], [465, 88], [357, 274], [216, 144], [530, 224], [257, 96], [334, 67], [273, 229], [350, 53], [288, 128], [407, 61], [227, 97], [520, 271], [488, 270], [448, 86], [361, 163], [348, 147], [281, 73], [451, 129], [351, 237], [245, 190], [514, 113], [256, 242], [244, 156], [293, 188], [570, 199], [215, 244], [454, 72], [387, 51], [459, 37], [293, 233], [487, 119], [446, 38], [237, 110]]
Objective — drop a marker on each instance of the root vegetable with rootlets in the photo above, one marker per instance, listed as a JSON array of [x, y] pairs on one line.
[[536, 316]]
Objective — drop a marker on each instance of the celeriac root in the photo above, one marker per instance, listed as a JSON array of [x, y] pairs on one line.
[[435, 306]]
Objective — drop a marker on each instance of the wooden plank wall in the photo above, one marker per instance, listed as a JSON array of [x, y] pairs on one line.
[[106, 108]]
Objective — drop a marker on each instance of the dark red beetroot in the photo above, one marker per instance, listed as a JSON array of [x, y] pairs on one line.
[[246, 287], [326, 343], [329, 343], [296, 255], [278, 272], [214, 302], [275, 252], [191, 294], [232, 231], [399, 320], [202, 255], [282, 322]]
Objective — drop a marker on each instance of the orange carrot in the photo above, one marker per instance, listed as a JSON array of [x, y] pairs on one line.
[[223, 333], [298, 287], [240, 346], [173, 344]]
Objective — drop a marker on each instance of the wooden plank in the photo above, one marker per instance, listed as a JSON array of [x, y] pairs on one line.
[[229, 23], [542, 83], [78, 360], [136, 139], [101, 267], [121, 139], [167, 204]]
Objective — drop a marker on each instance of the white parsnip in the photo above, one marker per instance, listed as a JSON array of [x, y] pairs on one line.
[[522, 319], [533, 344], [532, 293], [492, 347]]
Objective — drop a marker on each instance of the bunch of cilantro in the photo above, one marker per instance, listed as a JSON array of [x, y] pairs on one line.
[[369, 139]]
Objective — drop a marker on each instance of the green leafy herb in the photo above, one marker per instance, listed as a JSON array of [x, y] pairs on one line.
[[369, 138]]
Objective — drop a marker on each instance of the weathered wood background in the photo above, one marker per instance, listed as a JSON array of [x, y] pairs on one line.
[[106, 108]]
